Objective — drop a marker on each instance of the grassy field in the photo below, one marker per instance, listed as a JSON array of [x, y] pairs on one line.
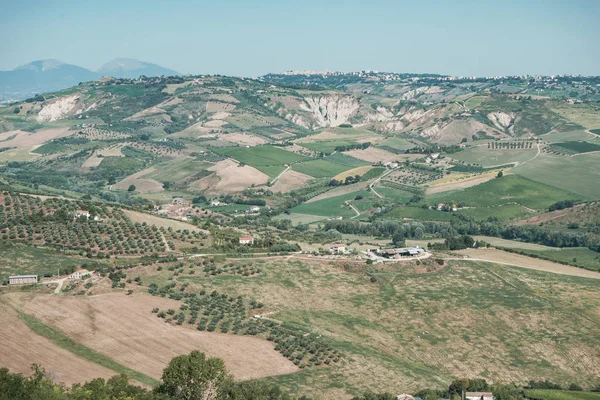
[[178, 169], [491, 157], [327, 146], [400, 333], [419, 213], [398, 196], [82, 351], [330, 207], [506, 212], [261, 155], [18, 259], [576, 147], [475, 101], [506, 190], [546, 394], [396, 144], [580, 257], [50, 148], [569, 173], [321, 168]]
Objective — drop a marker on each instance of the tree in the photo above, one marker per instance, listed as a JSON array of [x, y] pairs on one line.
[[398, 239], [500, 174], [194, 376], [131, 188], [166, 185]]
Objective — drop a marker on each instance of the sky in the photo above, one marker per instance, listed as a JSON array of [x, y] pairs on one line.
[[254, 37]]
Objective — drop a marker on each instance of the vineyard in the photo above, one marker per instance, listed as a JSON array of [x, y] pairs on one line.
[[88, 229], [573, 147], [517, 145], [228, 314]]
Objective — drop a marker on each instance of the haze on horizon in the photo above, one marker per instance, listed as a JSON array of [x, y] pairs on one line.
[[252, 38]]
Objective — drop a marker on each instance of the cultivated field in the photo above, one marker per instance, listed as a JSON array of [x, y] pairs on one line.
[[124, 329]]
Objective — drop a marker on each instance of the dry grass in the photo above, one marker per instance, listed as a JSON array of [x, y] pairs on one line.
[[213, 106], [243, 139], [455, 182], [352, 172], [158, 221], [229, 177], [373, 154], [290, 180], [503, 257], [27, 139], [124, 328], [142, 185]]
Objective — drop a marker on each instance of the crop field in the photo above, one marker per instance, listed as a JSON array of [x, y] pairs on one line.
[[259, 156], [329, 207], [491, 157], [547, 394], [395, 312], [327, 146], [321, 168], [178, 169], [568, 173], [514, 244], [581, 257], [125, 330], [475, 101], [397, 195], [574, 147], [419, 213], [396, 144], [505, 212], [509, 189], [360, 171], [582, 114]]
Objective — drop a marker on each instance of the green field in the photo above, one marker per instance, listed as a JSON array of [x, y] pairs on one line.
[[19, 259], [475, 101], [261, 155], [332, 206], [577, 174], [178, 169], [547, 394], [50, 148], [492, 157], [327, 146], [506, 212], [418, 213], [396, 144], [398, 196], [321, 168], [575, 147], [506, 190]]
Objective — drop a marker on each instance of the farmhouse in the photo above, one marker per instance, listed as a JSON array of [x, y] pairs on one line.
[[398, 252], [479, 396], [178, 200], [246, 240], [337, 248], [79, 274], [254, 209], [22, 279]]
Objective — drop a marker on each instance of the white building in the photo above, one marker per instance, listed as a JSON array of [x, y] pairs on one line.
[[79, 274], [246, 240], [254, 209], [337, 248]]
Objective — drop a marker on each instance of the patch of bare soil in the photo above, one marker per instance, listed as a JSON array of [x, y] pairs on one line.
[[373, 154], [28, 139], [124, 328], [230, 177], [22, 347], [244, 139], [290, 180], [517, 260], [142, 185], [158, 221], [461, 184], [213, 106]]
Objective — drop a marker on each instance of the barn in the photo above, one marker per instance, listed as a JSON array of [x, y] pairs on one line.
[[22, 279]]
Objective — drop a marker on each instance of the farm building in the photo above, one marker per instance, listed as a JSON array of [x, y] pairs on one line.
[[178, 200], [479, 396], [399, 252], [22, 279], [254, 209], [337, 248], [246, 240], [79, 274]]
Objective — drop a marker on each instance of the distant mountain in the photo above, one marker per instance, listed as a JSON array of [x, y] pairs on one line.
[[52, 75], [129, 68], [40, 77]]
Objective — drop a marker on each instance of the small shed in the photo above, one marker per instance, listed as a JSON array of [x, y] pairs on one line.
[[246, 240]]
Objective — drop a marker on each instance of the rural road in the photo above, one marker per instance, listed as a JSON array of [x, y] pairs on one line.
[[377, 180], [279, 176], [534, 157], [354, 209]]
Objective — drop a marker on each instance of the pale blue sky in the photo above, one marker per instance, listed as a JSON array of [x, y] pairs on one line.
[[251, 38]]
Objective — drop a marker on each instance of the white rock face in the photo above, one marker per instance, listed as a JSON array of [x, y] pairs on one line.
[[330, 110], [501, 119], [58, 109], [382, 114], [411, 94]]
